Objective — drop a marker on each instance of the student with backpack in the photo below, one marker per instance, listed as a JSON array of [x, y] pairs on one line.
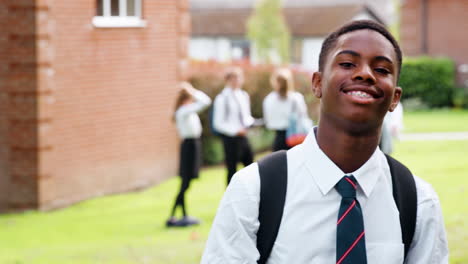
[[282, 104], [231, 120], [189, 103], [335, 198]]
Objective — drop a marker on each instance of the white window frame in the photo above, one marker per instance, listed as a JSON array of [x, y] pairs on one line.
[[122, 20]]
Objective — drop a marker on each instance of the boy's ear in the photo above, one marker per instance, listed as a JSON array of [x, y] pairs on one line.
[[396, 99], [317, 84]]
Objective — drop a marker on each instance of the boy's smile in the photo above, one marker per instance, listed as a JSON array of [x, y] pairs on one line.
[[358, 82]]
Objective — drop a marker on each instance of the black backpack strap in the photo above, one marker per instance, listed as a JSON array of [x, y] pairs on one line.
[[273, 184], [405, 195]]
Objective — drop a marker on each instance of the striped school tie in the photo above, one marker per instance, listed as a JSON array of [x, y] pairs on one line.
[[350, 238]]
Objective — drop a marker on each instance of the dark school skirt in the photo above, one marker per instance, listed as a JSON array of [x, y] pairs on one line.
[[190, 158]]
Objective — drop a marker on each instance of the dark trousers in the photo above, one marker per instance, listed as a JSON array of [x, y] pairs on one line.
[[280, 141], [190, 159], [236, 149]]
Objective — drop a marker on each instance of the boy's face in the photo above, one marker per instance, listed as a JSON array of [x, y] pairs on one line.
[[236, 80], [358, 82]]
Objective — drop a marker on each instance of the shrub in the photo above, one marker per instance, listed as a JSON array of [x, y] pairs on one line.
[[212, 150], [431, 79], [208, 77], [460, 98]]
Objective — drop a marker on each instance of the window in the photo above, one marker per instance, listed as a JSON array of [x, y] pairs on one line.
[[118, 13], [240, 49]]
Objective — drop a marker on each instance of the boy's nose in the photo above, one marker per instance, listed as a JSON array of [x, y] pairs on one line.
[[364, 73]]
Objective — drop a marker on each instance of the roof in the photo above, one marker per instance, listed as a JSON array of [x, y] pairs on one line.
[[220, 22], [302, 21], [203, 4]]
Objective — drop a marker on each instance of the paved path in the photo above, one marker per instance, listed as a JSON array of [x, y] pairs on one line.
[[434, 136]]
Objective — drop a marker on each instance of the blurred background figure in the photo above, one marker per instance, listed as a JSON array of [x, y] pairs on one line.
[[397, 121], [231, 119], [391, 129], [189, 102], [280, 105]]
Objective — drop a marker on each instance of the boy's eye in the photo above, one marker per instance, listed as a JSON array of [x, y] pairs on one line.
[[346, 65], [382, 70]]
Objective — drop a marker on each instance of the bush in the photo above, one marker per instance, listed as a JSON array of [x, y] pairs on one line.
[[460, 98], [212, 146], [212, 150], [208, 77], [431, 79], [414, 104]]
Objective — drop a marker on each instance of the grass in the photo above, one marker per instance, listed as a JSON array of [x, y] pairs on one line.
[[129, 228], [126, 228], [443, 164], [436, 121]]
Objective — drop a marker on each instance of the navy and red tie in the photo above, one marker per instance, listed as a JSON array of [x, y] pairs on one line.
[[350, 238]]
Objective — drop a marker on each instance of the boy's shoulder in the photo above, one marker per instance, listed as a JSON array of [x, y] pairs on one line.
[[247, 178], [426, 193]]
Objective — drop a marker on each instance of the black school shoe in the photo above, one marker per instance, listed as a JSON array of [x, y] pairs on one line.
[[189, 221], [183, 222]]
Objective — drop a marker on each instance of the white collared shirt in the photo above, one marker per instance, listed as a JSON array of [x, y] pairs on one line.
[[308, 229], [232, 111], [277, 110], [187, 120]]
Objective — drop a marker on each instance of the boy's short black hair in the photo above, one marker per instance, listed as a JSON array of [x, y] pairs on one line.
[[330, 42]]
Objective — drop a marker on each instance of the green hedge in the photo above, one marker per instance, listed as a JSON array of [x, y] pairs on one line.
[[430, 79], [257, 84]]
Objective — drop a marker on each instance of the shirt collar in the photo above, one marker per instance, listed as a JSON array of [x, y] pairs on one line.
[[229, 89], [326, 174]]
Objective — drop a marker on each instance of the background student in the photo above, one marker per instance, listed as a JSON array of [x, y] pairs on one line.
[[391, 129], [232, 118], [189, 102], [280, 104]]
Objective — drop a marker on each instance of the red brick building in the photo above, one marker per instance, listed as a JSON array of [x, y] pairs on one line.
[[436, 28], [86, 97]]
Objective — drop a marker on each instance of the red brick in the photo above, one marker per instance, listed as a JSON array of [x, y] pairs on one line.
[[446, 27], [89, 108]]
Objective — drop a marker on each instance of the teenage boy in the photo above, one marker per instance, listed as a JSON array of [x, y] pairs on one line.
[[339, 206], [232, 118]]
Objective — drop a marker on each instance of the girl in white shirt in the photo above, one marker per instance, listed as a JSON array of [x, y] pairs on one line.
[[280, 104], [189, 102]]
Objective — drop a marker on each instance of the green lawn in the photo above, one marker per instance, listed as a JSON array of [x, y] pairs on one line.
[[129, 228], [436, 121], [444, 165], [125, 228]]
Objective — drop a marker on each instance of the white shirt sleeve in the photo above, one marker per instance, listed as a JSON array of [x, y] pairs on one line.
[[266, 110], [201, 101], [429, 244], [233, 235], [220, 123], [300, 103], [249, 120]]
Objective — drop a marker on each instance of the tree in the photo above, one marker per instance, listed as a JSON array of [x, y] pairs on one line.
[[268, 32]]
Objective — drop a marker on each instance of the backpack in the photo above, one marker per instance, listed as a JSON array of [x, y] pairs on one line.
[[273, 177]]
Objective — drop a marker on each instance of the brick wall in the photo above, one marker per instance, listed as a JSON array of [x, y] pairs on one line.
[[410, 28], [103, 101], [446, 29], [4, 101], [18, 106]]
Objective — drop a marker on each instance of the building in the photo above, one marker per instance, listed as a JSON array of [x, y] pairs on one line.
[[308, 21], [86, 97], [436, 28]]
